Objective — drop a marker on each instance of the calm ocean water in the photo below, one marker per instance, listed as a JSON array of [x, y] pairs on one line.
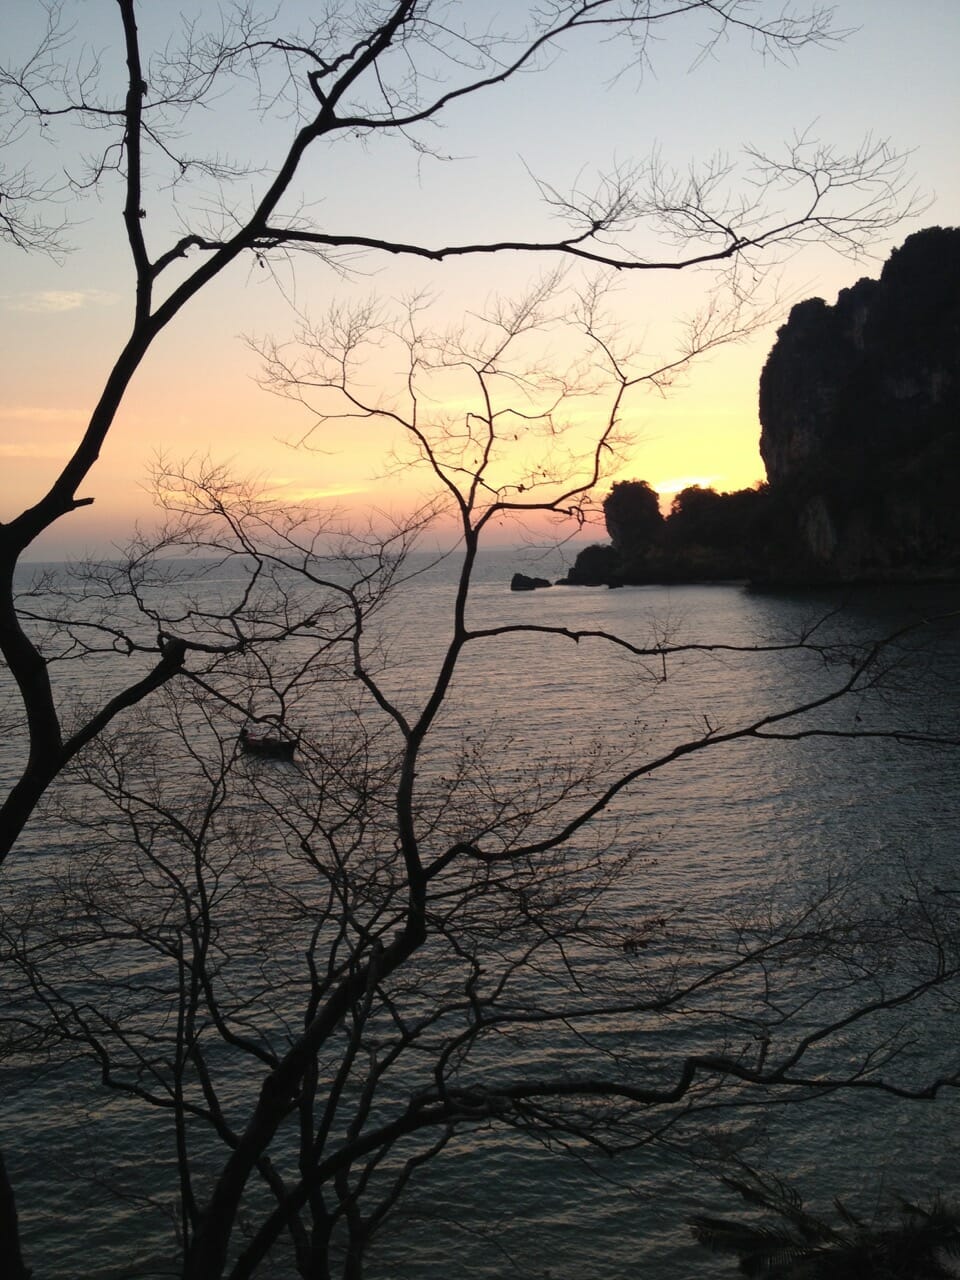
[[754, 820]]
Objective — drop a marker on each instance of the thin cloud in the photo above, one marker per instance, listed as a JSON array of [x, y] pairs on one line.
[[30, 451], [292, 493], [320, 495], [40, 415], [45, 301]]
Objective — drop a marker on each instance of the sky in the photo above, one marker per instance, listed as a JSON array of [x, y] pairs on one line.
[[62, 322]]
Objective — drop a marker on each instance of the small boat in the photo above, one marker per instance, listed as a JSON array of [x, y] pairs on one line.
[[263, 744]]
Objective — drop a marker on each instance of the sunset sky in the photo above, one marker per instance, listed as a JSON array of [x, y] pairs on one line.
[[894, 75]]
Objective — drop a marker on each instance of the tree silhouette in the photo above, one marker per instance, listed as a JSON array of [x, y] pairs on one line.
[[914, 1243], [415, 932], [120, 125], [632, 514], [392, 70]]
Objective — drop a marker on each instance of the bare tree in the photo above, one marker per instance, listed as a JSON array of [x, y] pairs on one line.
[[907, 1240], [409, 936], [226, 926], [393, 68]]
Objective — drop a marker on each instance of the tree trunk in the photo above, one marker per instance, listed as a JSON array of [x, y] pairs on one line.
[[14, 1266]]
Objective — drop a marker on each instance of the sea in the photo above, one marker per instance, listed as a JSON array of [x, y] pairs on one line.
[[846, 806]]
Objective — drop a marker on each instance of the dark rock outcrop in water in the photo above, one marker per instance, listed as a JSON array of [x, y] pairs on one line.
[[520, 582], [860, 410], [860, 413], [595, 566]]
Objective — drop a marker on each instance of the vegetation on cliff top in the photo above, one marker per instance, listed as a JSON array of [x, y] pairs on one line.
[[706, 536]]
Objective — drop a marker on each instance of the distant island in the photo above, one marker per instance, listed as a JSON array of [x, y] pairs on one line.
[[860, 415]]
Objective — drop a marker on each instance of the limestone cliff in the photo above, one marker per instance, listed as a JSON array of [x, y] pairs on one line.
[[860, 410]]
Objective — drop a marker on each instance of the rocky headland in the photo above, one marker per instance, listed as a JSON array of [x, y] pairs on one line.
[[860, 416]]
